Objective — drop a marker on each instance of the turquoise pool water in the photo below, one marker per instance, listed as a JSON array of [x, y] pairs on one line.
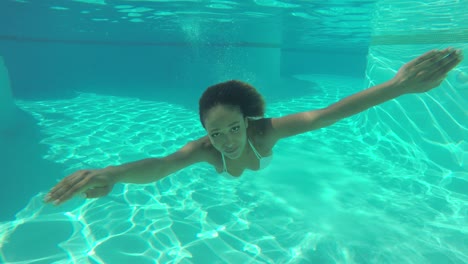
[[385, 186]]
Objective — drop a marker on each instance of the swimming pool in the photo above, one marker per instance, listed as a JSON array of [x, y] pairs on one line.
[[385, 186]]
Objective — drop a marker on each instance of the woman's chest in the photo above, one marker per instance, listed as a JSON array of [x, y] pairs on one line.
[[236, 167]]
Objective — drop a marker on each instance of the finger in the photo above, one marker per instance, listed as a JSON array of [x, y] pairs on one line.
[[447, 63], [67, 187], [424, 57], [452, 60], [435, 58], [63, 186], [78, 187], [97, 192]]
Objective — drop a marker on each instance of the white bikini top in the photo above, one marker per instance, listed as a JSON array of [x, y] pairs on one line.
[[264, 161]]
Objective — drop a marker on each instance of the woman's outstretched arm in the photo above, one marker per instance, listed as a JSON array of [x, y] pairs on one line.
[[419, 75], [99, 182]]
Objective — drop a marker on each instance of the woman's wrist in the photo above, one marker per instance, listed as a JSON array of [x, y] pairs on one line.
[[115, 173], [396, 87]]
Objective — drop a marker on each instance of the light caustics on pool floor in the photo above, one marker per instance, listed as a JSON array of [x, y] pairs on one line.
[[329, 197]]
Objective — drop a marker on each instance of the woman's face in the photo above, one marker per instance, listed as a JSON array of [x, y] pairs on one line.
[[227, 130]]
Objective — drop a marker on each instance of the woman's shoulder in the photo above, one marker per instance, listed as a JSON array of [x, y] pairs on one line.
[[205, 149], [260, 126], [260, 131]]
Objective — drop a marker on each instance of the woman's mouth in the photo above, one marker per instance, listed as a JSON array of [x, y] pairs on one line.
[[230, 151]]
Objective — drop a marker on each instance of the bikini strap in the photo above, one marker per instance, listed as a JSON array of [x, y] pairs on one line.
[[224, 163], [254, 150]]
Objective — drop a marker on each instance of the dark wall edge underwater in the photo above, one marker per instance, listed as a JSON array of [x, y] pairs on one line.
[[41, 70]]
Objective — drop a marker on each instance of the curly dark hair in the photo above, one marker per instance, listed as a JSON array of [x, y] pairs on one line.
[[234, 93]]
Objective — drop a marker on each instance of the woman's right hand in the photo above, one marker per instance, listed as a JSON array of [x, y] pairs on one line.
[[427, 71], [90, 183]]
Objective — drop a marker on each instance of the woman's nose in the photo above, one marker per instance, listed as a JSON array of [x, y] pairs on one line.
[[229, 142]]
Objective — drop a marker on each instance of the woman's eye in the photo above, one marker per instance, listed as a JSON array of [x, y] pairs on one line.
[[214, 135], [235, 129]]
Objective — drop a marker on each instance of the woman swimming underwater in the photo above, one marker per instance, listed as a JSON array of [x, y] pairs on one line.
[[239, 137]]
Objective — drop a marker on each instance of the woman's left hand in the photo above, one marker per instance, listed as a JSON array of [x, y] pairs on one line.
[[427, 71]]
